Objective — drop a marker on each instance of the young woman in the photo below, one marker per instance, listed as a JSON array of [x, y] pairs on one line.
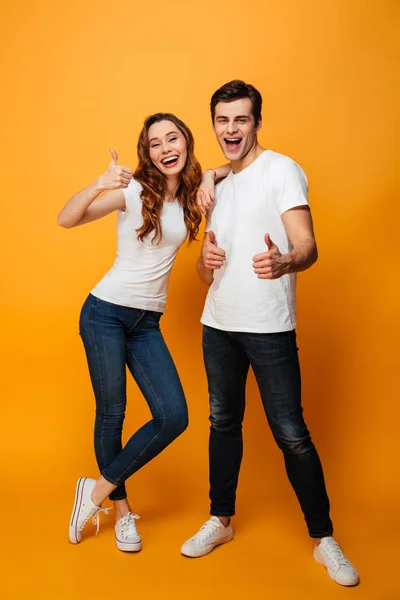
[[119, 322]]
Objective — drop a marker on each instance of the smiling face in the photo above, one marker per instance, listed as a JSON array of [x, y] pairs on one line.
[[235, 128], [167, 148]]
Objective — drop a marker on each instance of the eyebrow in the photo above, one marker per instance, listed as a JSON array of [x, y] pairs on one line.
[[236, 117], [170, 133]]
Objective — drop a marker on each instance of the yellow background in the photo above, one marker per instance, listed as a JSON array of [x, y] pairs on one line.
[[79, 77]]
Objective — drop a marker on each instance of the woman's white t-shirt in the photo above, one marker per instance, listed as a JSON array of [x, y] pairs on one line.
[[140, 274], [248, 205]]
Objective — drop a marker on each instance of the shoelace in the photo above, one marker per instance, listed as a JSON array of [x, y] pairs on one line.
[[96, 518], [335, 553], [128, 525], [95, 513], [206, 531]]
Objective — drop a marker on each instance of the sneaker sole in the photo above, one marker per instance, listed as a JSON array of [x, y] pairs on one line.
[[204, 552], [73, 531], [332, 575], [128, 546]]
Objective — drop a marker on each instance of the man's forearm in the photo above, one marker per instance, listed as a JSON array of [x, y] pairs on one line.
[[302, 257], [206, 275]]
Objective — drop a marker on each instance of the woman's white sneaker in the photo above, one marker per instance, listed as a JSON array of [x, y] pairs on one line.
[[126, 535], [340, 569], [211, 534], [84, 509]]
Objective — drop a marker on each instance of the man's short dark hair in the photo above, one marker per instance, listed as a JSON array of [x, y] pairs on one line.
[[235, 90]]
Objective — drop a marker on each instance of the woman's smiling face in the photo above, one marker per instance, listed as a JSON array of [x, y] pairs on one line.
[[167, 148]]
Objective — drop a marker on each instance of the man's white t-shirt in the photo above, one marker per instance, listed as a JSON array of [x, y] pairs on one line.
[[140, 274], [248, 205]]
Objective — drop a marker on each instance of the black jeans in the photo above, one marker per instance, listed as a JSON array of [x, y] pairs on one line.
[[274, 360]]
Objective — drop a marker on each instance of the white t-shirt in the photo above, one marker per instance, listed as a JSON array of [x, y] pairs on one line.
[[248, 205], [140, 274]]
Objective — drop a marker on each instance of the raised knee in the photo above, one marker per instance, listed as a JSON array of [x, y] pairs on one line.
[[175, 427], [182, 424]]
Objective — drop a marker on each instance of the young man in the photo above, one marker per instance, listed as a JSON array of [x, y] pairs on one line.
[[258, 236]]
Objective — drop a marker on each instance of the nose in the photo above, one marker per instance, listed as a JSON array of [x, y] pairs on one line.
[[232, 127], [165, 148]]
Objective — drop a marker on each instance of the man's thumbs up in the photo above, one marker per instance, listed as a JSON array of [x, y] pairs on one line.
[[270, 244], [270, 264], [211, 238], [213, 257]]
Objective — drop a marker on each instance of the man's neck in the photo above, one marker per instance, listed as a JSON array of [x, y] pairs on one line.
[[245, 161]]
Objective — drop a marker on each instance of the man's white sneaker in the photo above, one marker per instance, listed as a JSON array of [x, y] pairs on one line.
[[84, 509], [213, 533], [126, 534], [330, 555]]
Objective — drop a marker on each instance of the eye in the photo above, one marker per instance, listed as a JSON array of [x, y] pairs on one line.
[[154, 145], [173, 139]]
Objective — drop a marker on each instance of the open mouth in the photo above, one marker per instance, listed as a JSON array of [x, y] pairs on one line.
[[232, 143], [170, 161]]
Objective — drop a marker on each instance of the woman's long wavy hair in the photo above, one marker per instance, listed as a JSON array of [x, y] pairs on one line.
[[154, 182]]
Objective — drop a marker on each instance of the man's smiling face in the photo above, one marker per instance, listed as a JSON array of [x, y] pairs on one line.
[[235, 128]]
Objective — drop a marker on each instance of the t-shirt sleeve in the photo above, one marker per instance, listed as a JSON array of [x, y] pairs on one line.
[[132, 195], [289, 185]]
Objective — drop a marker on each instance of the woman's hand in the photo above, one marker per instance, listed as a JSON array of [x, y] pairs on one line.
[[116, 176], [98, 199], [205, 194]]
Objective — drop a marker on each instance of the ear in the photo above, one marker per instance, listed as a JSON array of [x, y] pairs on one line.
[[259, 125]]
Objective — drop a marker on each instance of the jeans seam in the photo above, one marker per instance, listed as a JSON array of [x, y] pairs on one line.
[[137, 321], [155, 437], [99, 369]]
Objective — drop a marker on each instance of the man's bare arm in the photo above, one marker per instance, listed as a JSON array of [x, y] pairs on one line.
[[299, 227]]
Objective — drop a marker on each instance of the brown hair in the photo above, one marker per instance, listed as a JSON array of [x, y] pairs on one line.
[[235, 90], [154, 182]]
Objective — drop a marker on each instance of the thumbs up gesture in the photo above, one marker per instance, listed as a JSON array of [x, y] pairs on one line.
[[116, 176], [213, 256], [270, 264]]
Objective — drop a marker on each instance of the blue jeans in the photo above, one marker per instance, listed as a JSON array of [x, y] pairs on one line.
[[274, 360], [115, 336]]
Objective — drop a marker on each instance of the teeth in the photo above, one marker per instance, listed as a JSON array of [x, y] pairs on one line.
[[168, 160], [233, 140]]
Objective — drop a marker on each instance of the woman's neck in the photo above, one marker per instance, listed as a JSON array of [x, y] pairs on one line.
[[171, 189]]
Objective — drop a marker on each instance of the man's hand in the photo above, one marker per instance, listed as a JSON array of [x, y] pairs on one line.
[[271, 264], [213, 257]]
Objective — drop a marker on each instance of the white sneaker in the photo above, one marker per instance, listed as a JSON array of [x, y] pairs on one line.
[[84, 509], [330, 555], [213, 533], [126, 534]]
